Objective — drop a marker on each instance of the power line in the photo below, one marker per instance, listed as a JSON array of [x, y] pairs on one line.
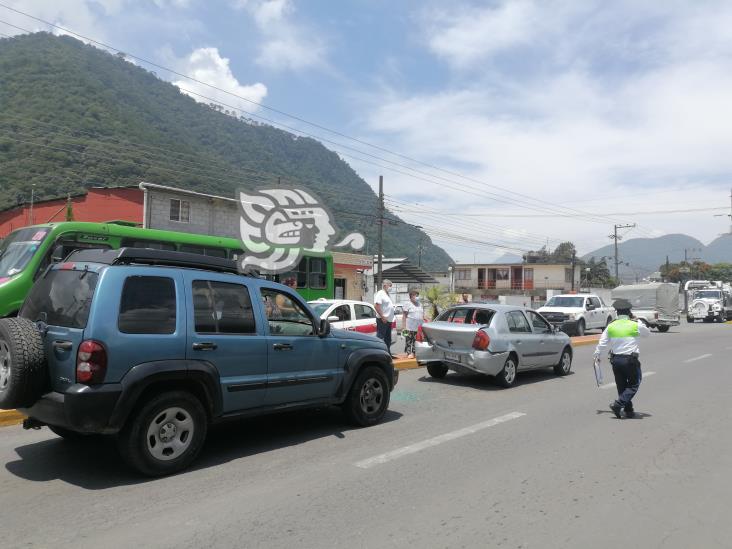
[[300, 119]]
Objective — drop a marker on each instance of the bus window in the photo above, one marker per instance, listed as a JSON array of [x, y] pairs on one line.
[[318, 273], [151, 244], [300, 273]]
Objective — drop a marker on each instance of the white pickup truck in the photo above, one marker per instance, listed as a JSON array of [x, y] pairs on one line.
[[575, 313]]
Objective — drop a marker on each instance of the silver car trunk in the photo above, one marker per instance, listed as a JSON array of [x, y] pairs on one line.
[[451, 335]]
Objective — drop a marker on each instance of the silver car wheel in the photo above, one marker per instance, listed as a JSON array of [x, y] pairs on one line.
[[170, 434], [5, 363], [372, 394], [566, 362], [509, 371]]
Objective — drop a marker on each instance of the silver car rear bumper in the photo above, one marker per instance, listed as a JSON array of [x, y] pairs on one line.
[[480, 362]]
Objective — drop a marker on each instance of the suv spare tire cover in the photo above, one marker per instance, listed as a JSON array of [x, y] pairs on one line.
[[23, 370]]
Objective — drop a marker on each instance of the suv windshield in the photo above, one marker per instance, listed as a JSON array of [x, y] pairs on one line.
[[18, 249], [708, 294], [61, 298], [562, 301]]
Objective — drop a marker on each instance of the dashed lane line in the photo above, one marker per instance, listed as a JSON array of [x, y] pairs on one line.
[[645, 375], [701, 357], [435, 441]]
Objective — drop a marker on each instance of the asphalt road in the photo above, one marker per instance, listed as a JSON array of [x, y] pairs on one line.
[[458, 463]]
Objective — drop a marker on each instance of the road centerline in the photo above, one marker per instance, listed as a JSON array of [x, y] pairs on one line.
[[644, 375], [701, 357], [435, 441]]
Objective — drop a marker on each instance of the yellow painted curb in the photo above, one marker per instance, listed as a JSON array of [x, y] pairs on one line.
[[585, 340], [10, 417], [406, 364]]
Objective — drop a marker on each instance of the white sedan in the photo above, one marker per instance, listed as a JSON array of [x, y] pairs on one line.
[[355, 316]]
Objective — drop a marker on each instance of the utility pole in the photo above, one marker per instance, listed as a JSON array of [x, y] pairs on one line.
[[574, 262], [381, 233], [615, 238], [419, 249], [33, 196]]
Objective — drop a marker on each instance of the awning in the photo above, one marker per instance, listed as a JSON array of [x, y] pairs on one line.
[[401, 271]]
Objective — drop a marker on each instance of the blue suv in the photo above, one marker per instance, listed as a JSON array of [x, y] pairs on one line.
[[154, 346]]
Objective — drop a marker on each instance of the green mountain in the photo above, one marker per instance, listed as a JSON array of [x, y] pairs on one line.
[[73, 116], [645, 255]]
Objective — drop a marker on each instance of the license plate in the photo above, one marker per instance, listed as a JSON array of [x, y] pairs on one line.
[[454, 357]]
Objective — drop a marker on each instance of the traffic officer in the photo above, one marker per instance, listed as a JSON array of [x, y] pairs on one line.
[[621, 338]]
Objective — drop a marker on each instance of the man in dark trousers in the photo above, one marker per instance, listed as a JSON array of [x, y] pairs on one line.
[[621, 338]]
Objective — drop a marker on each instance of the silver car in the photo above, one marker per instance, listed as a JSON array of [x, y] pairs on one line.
[[496, 340]]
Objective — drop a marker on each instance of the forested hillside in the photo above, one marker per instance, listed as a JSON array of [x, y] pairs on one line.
[[73, 116]]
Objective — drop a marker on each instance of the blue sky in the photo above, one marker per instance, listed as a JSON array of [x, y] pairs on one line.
[[618, 110]]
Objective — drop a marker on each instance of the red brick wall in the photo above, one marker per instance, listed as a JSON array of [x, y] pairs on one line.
[[97, 205]]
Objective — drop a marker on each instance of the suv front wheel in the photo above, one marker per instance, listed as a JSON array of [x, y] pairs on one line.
[[368, 398], [165, 435]]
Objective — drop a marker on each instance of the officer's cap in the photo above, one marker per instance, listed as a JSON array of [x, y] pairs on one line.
[[622, 305]]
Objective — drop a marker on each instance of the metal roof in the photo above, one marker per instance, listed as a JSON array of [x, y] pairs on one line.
[[401, 271]]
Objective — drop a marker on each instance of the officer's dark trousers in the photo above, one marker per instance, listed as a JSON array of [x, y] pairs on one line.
[[627, 371]]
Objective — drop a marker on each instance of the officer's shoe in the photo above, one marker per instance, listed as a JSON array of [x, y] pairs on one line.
[[616, 408], [629, 412]]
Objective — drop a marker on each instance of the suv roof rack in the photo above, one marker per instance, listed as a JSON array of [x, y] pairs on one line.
[[148, 256]]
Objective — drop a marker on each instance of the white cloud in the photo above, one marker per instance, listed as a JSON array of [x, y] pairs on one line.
[[285, 44], [630, 105], [470, 34], [207, 65]]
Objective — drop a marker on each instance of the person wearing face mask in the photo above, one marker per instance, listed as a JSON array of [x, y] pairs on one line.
[[385, 309], [413, 319]]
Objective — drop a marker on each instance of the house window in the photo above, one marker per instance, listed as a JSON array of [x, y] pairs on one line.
[[501, 274], [180, 210], [463, 274], [567, 275]]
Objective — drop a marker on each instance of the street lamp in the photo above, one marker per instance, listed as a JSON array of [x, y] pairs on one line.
[[449, 271]]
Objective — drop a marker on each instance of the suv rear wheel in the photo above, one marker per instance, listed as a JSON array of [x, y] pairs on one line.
[[22, 363], [368, 398], [165, 435]]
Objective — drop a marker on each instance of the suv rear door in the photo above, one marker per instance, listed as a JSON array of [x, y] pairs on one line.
[[61, 301], [223, 330], [302, 365]]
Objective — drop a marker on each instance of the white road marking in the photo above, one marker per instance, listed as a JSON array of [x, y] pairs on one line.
[[697, 358], [645, 375], [414, 448]]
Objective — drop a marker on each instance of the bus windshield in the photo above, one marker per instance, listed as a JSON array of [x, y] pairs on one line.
[[18, 249]]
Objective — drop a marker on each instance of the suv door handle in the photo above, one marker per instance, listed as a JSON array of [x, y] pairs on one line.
[[63, 345], [282, 347], [204, 346]]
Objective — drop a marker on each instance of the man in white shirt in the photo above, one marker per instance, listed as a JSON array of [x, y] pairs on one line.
[[385, 309], [621, 338]]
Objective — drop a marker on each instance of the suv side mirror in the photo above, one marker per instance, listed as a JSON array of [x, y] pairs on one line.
[[323, 327], [590, 307]]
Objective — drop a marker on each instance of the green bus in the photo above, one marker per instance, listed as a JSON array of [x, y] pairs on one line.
[[25, 254]]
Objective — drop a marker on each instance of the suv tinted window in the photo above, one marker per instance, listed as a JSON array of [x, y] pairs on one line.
[[285, 315], [364, 312], [222, 308], [148, 305], [61, 298]]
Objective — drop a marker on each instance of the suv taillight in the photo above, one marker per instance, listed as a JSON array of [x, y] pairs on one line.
[[420, 336], [91, 362], [481, 341]]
